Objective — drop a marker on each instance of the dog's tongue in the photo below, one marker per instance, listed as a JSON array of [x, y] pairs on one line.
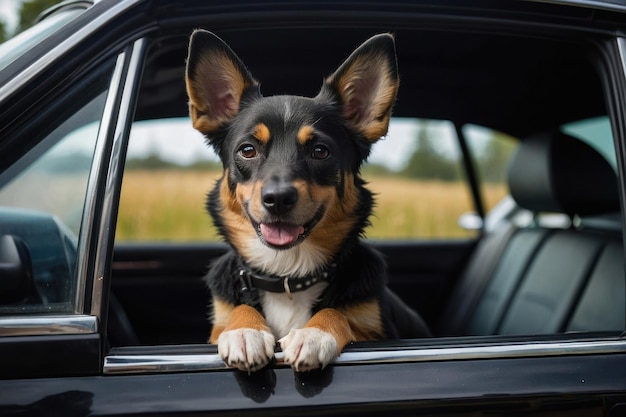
[[281, 234]]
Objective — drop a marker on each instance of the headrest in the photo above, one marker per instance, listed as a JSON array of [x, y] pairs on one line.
[[554, 172]]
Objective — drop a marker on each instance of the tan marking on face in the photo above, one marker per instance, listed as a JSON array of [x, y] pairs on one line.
[[250, 194], [365, 320], [305, 134], [233, 214], [262, 133], [339, 219], [328, 234]]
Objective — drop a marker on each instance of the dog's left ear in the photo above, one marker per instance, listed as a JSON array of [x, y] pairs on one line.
[[367, 84], [216, 81]]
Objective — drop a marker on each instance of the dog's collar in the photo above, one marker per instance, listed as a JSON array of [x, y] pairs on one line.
[[252, 280]]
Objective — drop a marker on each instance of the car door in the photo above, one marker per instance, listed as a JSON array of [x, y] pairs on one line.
[[165, 239], [57, 356], [57, 143], [48, 325]]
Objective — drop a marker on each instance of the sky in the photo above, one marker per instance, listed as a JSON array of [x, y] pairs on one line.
[[178, 142], [8, 12]]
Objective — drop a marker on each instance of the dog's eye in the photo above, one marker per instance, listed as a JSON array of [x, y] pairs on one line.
[[247, 151], [320, 152]]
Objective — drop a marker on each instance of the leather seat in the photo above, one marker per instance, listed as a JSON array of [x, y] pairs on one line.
[[539, 279]]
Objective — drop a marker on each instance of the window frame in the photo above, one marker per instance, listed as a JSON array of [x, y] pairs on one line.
[[164, 359], [100, 243], [74, 342]]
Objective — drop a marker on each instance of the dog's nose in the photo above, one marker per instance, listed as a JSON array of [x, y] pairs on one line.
[[279, 198]]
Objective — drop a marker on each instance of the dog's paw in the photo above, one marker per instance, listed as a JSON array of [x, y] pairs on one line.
[[309, 348], [246, 349]]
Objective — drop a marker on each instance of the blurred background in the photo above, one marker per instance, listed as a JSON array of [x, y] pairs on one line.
[[18, 15]]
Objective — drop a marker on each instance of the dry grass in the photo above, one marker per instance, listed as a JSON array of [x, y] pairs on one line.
[[165, 206], [409, 209], [169, 206]]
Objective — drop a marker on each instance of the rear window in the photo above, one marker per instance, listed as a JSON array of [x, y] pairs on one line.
[[596, 132]]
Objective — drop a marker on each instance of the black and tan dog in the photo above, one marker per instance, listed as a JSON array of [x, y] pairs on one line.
[[292, 207]]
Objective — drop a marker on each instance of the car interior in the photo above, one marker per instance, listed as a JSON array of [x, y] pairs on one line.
[[522, 275], [535, 279]]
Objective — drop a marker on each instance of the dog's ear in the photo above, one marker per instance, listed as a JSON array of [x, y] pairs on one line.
[[216, 80], [367, 84]]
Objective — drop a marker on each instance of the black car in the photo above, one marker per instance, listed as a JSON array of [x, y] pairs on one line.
[[500, 189]]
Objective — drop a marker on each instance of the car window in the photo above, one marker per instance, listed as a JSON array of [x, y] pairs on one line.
[[169, 169], [597, 133], [417, 175], [166, 180], [163, 178], [491, 151], [42, 198], [25, 41]]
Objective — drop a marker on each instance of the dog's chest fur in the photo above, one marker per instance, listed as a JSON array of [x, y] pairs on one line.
[[298, 261], [283, 313]]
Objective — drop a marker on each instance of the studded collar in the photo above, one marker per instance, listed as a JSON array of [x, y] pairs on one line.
[[252, 280]]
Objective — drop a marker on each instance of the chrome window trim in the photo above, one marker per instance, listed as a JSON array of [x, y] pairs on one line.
[[63, 48], [618, 123], [591, 4], [140, 364], [48, 325], [621, 49], [104, 182], [91, 196], [105, 237]]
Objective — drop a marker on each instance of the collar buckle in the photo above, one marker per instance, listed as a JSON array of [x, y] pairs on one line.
[[287, 289]]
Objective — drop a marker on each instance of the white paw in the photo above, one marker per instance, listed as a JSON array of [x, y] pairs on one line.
[[246, 349], [308, 348]]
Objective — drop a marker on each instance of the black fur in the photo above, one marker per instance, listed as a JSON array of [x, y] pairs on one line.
[[360, 273]]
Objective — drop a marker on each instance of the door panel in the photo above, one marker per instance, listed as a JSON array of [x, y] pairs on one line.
[[423, 273], [547, 386], [161, 290]]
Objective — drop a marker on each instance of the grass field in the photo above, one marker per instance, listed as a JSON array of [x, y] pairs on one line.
[[169, 206]]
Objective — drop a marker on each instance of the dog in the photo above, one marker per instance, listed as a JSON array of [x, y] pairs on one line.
[[292, 206]]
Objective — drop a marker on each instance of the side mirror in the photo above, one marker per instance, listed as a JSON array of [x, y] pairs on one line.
[[17, 284]]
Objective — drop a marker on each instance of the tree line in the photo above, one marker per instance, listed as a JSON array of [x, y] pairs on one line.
[[28, 12], [154, 162], [426, 162]]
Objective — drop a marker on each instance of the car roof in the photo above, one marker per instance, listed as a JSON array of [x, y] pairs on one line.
[[516, 83], [515, 66]]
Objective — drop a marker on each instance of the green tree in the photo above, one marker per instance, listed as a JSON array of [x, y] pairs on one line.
[[150, 162], [205, 165], [427, 163], [3, 31], [376, 170], [30, 10], [493, 161]]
